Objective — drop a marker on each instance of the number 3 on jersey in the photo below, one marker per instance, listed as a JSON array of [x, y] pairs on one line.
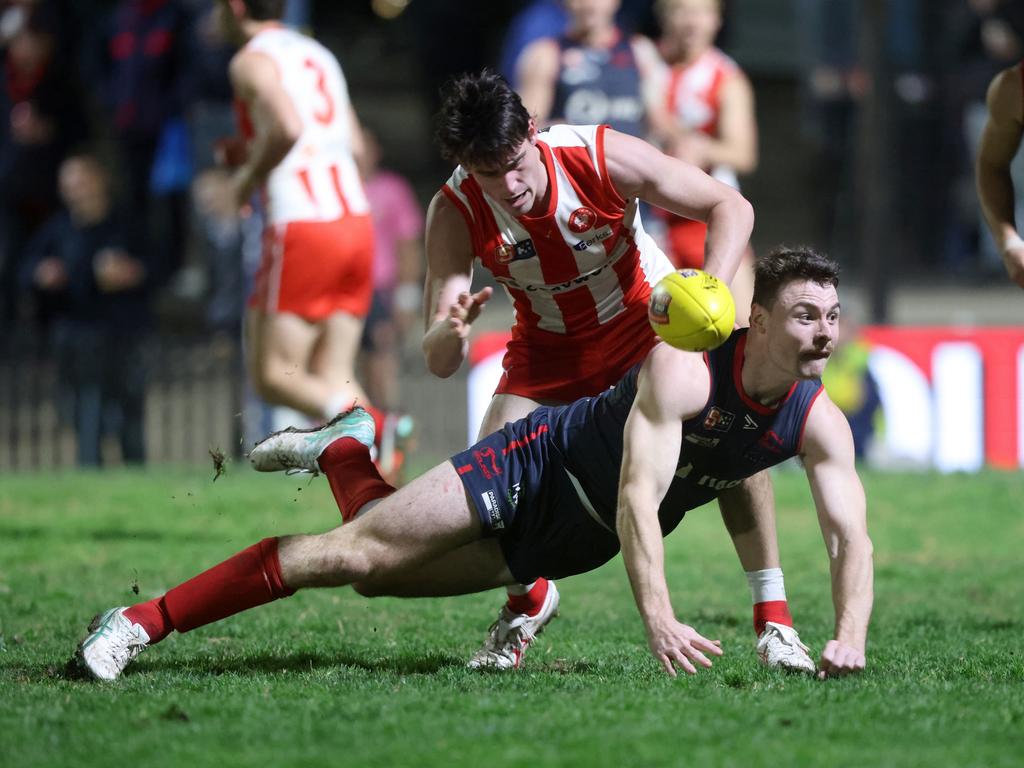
[[326, 113]]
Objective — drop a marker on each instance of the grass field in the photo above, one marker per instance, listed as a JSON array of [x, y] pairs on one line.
[[329, 678]]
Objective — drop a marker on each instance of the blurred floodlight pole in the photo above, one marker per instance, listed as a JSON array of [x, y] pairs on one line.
[[878, 237]]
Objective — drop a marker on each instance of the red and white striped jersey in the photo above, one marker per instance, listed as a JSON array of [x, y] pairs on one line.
[[583, 261], [693, 91], [318, 179]]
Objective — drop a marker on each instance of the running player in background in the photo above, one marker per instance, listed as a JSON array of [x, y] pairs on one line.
[[711, 121], [1000, 143], [594, 74], [561, 491], [305, 316]]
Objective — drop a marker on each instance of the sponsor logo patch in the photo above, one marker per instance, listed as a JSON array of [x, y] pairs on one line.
[[657, 310], [509, 252], [493, 510], [581, 220], [602, 234], [749, 423], [718, 420]]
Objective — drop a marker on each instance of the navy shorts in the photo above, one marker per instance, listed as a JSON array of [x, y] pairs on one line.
[[524, 496]]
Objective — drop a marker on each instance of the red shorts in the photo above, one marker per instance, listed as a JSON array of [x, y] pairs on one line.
[[686, 242], [316, 268], [548, 366]]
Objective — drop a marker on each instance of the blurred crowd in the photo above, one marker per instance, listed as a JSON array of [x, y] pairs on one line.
[[111, 195]]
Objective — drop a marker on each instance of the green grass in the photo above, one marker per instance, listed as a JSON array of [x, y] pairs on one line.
[[329, 678]]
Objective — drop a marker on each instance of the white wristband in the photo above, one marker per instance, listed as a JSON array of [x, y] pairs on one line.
[[407, 297], [1014, 241]]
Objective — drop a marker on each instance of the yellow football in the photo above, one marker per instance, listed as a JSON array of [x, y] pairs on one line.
[[692, 310]]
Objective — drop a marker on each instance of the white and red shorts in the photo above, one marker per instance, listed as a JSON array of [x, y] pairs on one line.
[[551, 367], [316, 268]]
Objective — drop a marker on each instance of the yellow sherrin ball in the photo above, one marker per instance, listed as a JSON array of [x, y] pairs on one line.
[[692, 310]]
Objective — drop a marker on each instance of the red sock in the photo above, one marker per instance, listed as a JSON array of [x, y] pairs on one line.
[[532, 601], [353, 477], [771, 610], [243, 581]]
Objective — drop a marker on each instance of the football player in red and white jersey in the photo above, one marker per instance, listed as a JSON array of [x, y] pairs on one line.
[[553, 216], [1004, 131], [305, 316], [710, 120]]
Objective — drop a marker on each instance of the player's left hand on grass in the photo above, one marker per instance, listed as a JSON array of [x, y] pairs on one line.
[[838, 659], [675, 644]]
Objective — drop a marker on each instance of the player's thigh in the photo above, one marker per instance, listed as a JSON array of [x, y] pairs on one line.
[[471, 568], [279, 339], [504, 408], [337, 345], [430, 517]]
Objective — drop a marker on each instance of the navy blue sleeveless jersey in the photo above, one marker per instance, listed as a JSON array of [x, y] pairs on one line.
[[599, 85], [547, 485]]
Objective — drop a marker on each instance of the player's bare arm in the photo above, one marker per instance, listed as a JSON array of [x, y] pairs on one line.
[[736, 142], [537, 74], [1000, 142], [673, 385], [276, 122], [638, 169], [450, 307], [839, 498]]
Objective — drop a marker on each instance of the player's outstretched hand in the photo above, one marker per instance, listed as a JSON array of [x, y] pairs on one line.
[[1013, 258], [838, 659], [466, 309], [677, 644]]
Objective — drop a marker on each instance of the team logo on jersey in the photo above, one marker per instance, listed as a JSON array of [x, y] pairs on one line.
[[718, 420], [582, 220], [749, 423], [509, 252]]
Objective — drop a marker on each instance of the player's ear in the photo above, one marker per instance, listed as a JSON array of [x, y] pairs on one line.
[[758, 318], [531, 131]]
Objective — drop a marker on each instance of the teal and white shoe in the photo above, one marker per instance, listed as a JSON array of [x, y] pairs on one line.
[[113, 642], [298, 449]]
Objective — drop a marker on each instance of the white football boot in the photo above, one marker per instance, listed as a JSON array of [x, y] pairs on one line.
[[512, 634], [780, 646], [298, 449], [113, 642]]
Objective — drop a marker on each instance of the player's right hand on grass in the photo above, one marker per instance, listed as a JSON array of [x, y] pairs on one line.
[[466, 309], [838, 659], [675, 644]]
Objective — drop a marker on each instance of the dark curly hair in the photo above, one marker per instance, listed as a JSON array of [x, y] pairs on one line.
[[264, 10], [481, 121], [787, 263]]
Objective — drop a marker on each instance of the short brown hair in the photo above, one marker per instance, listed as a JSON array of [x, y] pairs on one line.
[[481, 121], [786, 263]]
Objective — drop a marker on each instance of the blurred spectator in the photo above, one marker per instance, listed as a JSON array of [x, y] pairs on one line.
[[41, 117], [145, 70], [210, 100], [539, 19], [397, 291], [103, 318], [710, 123], [221, 241], [592, 74]]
